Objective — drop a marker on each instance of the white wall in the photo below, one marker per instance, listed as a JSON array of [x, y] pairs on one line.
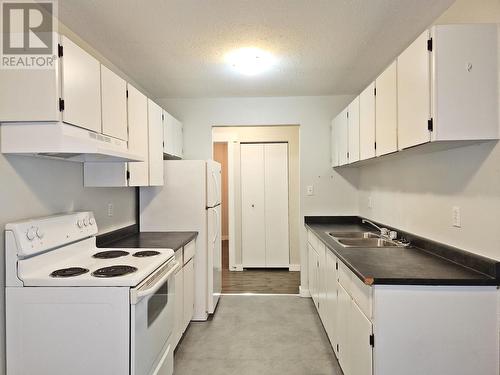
[[417, 193], [31, 187], [335, 192]]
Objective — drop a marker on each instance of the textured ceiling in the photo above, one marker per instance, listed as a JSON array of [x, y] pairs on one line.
[[175, 48]]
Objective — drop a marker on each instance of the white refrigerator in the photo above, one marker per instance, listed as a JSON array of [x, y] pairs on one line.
[[190, 200]]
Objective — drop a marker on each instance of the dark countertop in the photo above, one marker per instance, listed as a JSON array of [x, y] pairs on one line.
[[146, 240], [396, 265]]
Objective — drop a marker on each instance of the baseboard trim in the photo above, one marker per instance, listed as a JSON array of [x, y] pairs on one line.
[[236, 267], [294, 268], [304, 293]]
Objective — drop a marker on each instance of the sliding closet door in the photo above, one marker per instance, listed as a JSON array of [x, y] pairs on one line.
[[276, 204], [253, 226]]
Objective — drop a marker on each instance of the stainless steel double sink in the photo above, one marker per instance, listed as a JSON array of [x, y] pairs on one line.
[[362, 239]]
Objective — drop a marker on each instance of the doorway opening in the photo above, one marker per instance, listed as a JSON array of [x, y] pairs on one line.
[[260, 208]]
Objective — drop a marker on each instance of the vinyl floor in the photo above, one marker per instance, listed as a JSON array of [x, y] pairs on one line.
[[271, 281], [257, 335]]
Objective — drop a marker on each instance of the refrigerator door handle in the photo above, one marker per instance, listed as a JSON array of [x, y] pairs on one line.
[[217, 191], [216, 225]]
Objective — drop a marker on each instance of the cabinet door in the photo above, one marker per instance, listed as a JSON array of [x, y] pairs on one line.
[[331, 297], [253, 241], [353, 130], [360, 329], [344, 312], [343, 137], [414, 89], [276, 204], [386, 113], [137, 105], [313, 274], [114, 104], [178, 133], [155, 130], [333, 144], [179, 306], [188, 275], [322, 305], [168, 133], [81, 87], [367, 123]]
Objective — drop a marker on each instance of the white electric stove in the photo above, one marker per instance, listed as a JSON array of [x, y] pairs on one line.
[[73, 308]]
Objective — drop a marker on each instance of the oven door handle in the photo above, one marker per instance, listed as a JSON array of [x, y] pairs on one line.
[[137, 294]]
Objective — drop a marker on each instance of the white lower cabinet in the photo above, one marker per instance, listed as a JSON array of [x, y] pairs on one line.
[[331, 299], [313, 273], [184, 291], [188, 303], [403, 329], [360, 351]]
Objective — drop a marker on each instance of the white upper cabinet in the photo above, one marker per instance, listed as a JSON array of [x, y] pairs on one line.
[[443, 87], [29, 95], [333, 143], [386, 109], [367, 123], [179, 137], [413, 82], [448, 86], [71, 92], [353, 133], [137, 105], [155, 131], [168, 133], [465, 82], [343, 137], [81, 87], [172, 133], [114, 104]]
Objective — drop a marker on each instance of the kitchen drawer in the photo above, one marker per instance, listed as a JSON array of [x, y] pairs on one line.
[[312, 239], [189, 251], [362, 295], [345, 277]]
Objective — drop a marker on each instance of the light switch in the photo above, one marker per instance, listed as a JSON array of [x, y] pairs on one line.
[[310, 190]]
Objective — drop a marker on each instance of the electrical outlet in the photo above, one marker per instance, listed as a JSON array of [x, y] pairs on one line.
[[456, 217], [370, 201], [110, 209], [310, 190]]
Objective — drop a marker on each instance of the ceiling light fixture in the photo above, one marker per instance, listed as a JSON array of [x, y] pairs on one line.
[[250, 61]]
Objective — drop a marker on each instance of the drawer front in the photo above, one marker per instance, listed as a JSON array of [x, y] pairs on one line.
[[345, 276], [189, 251], [362, 295]]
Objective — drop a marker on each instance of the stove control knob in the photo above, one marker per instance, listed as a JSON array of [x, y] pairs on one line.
[[30, 234], [92, 221], [80, 223], [39, 233], [86, 222]]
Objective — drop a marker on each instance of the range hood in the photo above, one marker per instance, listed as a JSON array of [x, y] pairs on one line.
[[59, 140]]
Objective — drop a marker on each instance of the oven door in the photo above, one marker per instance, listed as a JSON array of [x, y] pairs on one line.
[[152, 320]]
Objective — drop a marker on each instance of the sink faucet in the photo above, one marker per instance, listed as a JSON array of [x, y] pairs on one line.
[[384, 232]]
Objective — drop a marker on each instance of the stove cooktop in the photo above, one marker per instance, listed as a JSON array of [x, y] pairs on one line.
[[85, 265]]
